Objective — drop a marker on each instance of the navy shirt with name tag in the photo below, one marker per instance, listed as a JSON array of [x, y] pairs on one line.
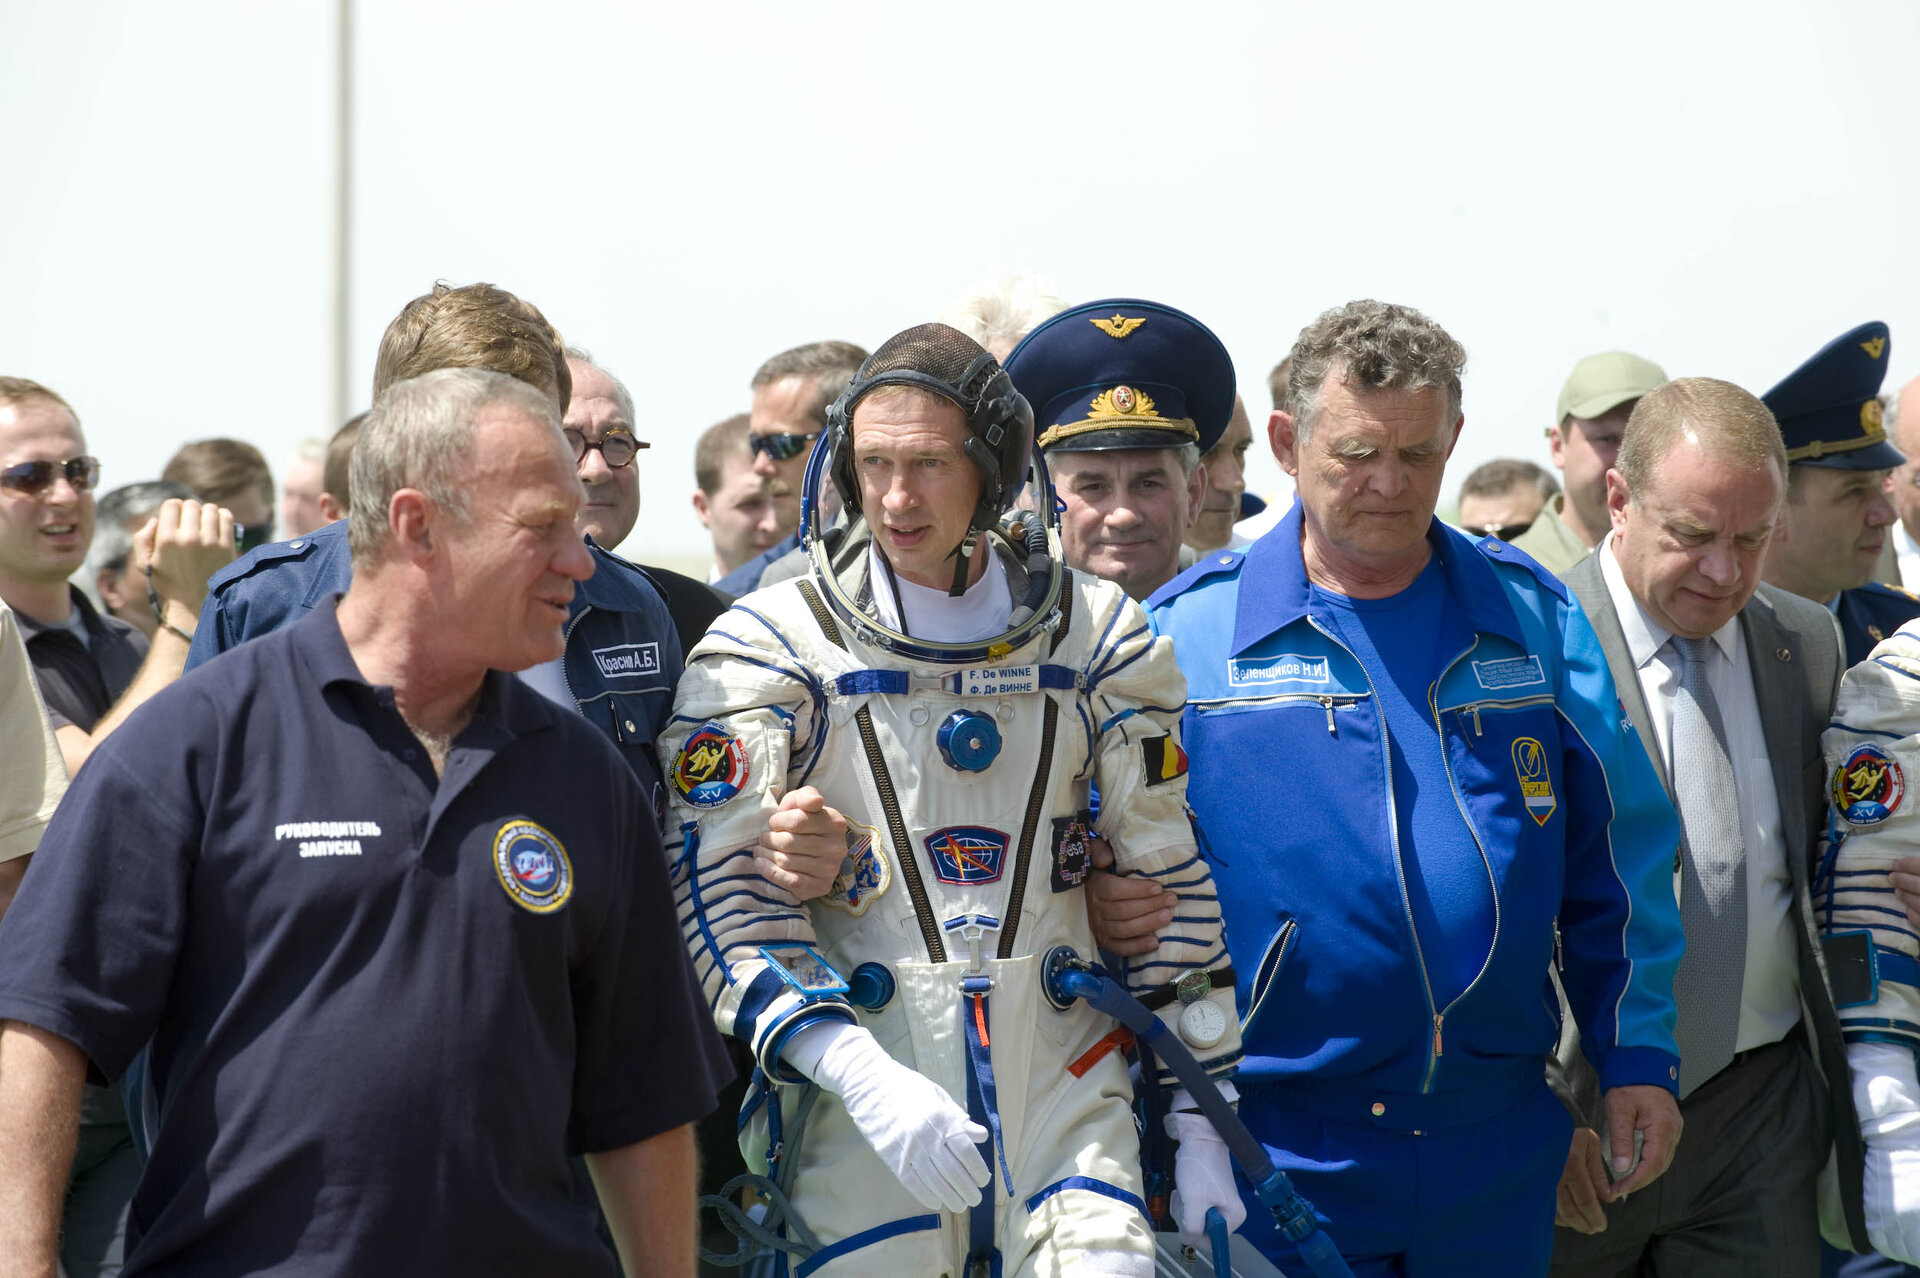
[[384, 1005]]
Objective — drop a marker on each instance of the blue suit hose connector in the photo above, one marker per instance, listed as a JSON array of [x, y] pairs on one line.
[[1395, 1000]]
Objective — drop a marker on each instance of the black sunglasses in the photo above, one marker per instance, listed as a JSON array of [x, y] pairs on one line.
[[617, 447], [1502, 532], [37, 476], [781, 447], [252, 536]]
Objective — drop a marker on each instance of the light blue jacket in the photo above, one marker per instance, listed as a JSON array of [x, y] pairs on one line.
[[1291, 786]]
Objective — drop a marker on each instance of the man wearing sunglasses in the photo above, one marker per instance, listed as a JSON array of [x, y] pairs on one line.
[[93, 671], [1502, 498], [791, 392]]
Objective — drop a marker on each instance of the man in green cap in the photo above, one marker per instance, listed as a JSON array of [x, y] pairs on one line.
[[1592, 414]]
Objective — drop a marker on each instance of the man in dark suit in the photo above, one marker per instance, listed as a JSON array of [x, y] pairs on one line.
[[1729, 684]]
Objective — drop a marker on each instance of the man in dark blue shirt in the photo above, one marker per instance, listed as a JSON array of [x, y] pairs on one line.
[[397, 927]]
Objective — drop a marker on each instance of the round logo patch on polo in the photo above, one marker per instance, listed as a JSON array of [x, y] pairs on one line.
[[532, 866], [711, 767], [1868, 786]]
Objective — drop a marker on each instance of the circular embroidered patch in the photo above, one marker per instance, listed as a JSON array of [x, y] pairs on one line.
[[1868, 786], [532, 866], [864, 873], [711, 767]]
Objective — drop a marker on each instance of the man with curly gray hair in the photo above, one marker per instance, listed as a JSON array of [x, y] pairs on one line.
[[1454, 777]]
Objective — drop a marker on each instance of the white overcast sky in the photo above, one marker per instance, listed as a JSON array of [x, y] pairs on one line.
[[686, 189]]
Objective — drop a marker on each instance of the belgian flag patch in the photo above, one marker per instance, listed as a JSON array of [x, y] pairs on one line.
[[1165, 759]]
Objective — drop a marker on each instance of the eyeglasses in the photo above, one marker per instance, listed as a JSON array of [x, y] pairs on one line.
[[616, 447], [781, 447], [1501, 532], [36, 477], [252, 536]]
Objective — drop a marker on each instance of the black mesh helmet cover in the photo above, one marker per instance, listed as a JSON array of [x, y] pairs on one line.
[[943, 361]]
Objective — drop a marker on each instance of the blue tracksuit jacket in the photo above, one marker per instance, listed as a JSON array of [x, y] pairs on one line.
[[1290, 784]]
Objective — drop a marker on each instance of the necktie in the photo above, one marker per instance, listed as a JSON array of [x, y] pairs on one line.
[[1713, 876]]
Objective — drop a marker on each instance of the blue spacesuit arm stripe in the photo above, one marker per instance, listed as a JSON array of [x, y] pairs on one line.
[[1092, 1186], [1864, 732], [1093, 672], [865, 1238], [1108, 670], [714, 902], [771, 629], [765, 987], [1133, 980], [691, 833], [774, 916]]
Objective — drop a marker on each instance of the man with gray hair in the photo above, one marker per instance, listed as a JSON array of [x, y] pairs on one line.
[[397, 926], [1407, 750], [1001, 308], [791, 392], [1127, 395], [112, 571]]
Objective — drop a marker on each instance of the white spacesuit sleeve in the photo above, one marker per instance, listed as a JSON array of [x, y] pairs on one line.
[[1136, 695], [746, 712], [1872, 748]]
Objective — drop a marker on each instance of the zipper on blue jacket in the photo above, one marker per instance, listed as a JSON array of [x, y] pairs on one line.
[[1393, 833], [1493, 887], [566, 639]]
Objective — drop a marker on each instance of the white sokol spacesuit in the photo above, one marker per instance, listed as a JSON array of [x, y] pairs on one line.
[[951, 873], [1872, 753]]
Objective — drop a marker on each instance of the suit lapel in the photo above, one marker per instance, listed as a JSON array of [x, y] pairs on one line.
[[1589, 586], [1781, 714]]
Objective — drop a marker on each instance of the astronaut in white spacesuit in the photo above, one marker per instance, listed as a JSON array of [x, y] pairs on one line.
[[1872, 752], [957, 693]]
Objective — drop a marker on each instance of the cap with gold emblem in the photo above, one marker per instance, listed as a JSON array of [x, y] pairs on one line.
[[1829, 407], [1123, 373]]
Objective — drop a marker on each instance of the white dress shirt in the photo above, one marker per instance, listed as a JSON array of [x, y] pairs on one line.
[[1770, 992]]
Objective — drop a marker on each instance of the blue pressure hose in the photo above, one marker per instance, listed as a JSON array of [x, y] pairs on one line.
[[1072, 978]]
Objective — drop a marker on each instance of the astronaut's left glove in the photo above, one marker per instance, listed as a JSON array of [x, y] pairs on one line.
[[1202, 1169], [1887, 1098]]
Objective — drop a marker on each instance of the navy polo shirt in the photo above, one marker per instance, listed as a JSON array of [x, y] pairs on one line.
[[384, 1006]]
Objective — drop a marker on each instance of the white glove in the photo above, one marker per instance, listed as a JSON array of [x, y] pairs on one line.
[[1887, 1098], [920, 1134], [1202, 1172]]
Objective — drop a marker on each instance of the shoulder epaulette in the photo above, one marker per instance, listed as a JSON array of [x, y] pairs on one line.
[[1505, 552], [1212, 564], [274, 552]]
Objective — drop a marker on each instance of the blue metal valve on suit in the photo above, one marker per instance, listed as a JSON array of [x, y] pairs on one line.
[[871, 986], [969, 741]]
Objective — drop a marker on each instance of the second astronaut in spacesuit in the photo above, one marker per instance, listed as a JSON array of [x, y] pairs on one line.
[[960, 696]]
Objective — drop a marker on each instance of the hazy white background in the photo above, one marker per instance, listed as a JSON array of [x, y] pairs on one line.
[[687, 189]]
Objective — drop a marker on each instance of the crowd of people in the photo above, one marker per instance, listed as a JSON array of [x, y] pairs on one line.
[[1515, 882]]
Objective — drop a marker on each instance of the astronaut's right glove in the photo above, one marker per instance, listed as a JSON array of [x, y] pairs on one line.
[[920, 1134], [1202, 1167], [1887, 1098]]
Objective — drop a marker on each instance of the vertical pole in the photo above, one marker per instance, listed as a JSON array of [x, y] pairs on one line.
[[341, 397]]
